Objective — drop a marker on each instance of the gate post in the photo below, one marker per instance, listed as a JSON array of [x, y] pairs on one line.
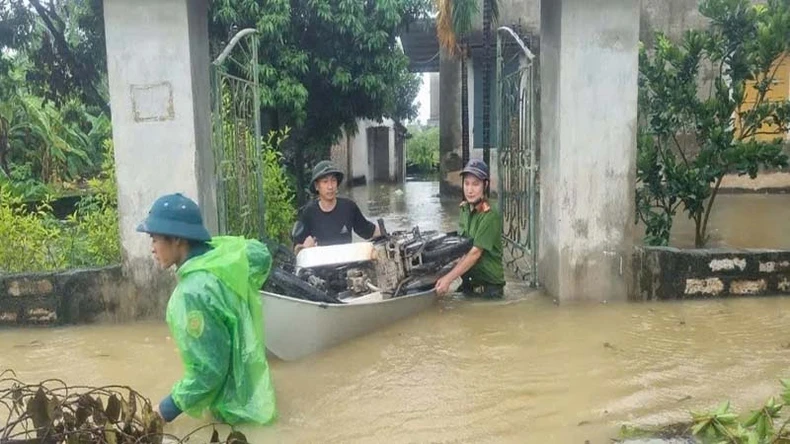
[[589, 69], [157, 64]]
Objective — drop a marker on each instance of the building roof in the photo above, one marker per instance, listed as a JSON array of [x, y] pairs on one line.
[[422, 47]]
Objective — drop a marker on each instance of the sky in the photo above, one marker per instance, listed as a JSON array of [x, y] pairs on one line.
[[424, 99]]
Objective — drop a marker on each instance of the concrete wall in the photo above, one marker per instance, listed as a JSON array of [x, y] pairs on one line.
[[524, 12], [393, 160], [72, 297], [672, 17], [663, 273], [158, 69], [588, 153]]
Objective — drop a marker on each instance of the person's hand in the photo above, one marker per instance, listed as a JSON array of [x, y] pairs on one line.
[[309, 242], [443, 285]]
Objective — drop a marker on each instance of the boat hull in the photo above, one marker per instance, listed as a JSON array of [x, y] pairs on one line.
[[296, 328]]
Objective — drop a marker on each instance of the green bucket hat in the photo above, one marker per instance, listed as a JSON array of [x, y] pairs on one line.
[[322, 169], [175, 215]]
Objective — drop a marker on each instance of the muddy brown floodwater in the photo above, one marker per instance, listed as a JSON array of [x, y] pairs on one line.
[[522, 370]]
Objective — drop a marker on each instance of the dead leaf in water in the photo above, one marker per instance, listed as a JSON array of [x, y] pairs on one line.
[[237, 437], [38, 408]]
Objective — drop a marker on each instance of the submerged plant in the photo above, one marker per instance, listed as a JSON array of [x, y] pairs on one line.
[[52, 412]]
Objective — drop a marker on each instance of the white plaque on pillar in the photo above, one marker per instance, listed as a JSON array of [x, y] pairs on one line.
[[152, 103]]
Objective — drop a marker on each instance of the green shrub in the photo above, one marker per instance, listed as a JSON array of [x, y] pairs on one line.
[[280, 212], [422, 149], [95, 222], [37, 241], [29, 240]]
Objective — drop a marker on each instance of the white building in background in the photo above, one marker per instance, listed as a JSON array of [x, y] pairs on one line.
[[376, 153]]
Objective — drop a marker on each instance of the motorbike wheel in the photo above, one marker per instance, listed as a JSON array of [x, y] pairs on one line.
[[451, 248], [292, 286]]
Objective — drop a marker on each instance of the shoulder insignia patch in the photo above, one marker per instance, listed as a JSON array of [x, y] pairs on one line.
[[195, 323]]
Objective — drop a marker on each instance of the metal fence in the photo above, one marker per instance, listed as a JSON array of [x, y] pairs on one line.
[[518, 151]]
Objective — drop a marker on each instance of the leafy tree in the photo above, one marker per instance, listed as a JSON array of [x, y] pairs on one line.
[[422, 148], [733, 126], [64, 42], [324, 65], [43, 143], [51, 74]]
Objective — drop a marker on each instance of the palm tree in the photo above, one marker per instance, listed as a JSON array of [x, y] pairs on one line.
[[454, 24]]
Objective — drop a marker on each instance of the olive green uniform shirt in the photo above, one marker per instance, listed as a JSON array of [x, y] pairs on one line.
[[484, 226]]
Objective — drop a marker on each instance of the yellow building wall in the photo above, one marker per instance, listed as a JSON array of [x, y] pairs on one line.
[[779, 91]]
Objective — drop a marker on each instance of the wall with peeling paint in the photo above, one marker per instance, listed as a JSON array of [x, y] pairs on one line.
[[663, 273]]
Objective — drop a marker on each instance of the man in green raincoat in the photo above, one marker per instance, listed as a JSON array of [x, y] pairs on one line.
[[215, 316]]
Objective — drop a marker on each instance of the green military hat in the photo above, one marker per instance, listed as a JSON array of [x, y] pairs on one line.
[[325, 168], [175, 215]]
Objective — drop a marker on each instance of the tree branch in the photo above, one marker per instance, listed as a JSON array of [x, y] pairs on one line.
[[710, 206], [81, 73], [54, 16], [680, 149]]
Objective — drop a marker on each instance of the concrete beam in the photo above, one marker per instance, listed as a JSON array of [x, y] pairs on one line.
[[589, 69], [158, 69]]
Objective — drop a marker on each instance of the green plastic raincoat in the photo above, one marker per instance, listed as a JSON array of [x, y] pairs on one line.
[[215, 316]]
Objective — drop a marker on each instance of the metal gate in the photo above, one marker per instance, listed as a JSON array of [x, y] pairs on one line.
[[518, 150], [236, 137]]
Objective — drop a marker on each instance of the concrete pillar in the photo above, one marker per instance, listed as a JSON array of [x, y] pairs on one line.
[[449, 125], [158, 69], [588, 60]]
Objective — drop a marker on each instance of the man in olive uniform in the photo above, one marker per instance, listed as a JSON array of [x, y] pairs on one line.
[[481, 268], [330, 219]]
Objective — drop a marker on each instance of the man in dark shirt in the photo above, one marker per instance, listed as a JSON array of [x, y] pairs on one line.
[[330, 219]]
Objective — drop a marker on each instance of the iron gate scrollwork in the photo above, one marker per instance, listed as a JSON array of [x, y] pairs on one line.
[[236, 137], [517, 154]]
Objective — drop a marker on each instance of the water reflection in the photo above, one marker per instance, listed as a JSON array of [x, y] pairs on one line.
[[741, 221], [407, 205]]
